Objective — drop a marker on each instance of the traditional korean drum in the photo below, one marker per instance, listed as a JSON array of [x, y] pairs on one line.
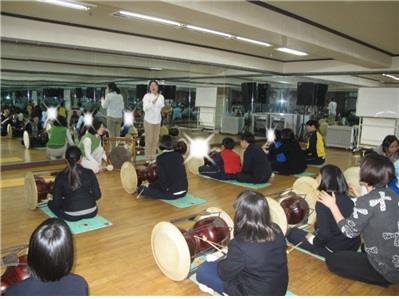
[[132, 177], [174, 248], [352, 176], [14, 266], [119, 155], [9, 130], [38, 187]]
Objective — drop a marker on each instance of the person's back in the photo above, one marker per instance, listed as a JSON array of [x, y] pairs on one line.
[[256, 163], [114, 104], [57, 137], [231, 161], [264, 272], [171, 171], [70, 285]]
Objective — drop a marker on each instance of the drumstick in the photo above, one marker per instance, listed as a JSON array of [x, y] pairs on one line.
[[214, 245], [295, 247], [141, 192], [5, 120]]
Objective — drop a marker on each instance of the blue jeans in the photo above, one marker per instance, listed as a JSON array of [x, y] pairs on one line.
[[207, 274]]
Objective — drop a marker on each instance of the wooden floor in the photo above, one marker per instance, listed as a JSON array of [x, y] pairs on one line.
[[118, 261]]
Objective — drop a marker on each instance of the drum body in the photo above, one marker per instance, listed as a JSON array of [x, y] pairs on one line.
[[149, 173], [37, 189], [295, 208], [174, 249], [119, 155], [14, 274], [131, 177]]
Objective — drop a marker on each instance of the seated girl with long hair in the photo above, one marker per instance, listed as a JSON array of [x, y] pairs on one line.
[[50, 261], [327, 237], [256, 261], [76, 190]]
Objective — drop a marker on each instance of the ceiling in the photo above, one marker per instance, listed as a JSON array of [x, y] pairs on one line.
[[359, 58]]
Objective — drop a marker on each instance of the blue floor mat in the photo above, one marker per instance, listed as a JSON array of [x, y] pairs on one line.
[[186, 201], [237, 183]]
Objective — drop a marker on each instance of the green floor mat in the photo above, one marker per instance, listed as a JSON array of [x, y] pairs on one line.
[[306, 173], [140, 158], [317, 166], [186, 201], [237, 183], [81, 226]]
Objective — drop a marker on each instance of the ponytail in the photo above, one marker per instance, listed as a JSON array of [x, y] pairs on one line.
[[73, 157]]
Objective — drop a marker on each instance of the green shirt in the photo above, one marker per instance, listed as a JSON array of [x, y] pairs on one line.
[[95, 142], [56, 137]]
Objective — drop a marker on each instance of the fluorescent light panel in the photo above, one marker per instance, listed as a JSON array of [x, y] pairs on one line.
[[391, 76], [148, 18], [292, 51], [201, 29], [68, 4], [252, 41]]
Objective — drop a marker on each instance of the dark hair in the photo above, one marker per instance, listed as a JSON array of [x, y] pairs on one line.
[[50, 255], [332, 180], [376, 170], [72, 156], [166, 142], [248, 137], [60, 121], [153, 81], [313, 123], [287, 135], [95, 126], [252, 217], [277, 135], [388, 140], [112, 87], [228, 143]]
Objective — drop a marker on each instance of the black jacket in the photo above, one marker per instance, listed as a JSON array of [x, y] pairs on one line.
[[328, 233], [295, 157], [255, 268], [29, 127], [256, 163], [81, 199], [172, 175]]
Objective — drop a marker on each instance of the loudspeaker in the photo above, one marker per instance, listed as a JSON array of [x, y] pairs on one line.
[[305, 93], [168, 91], [248, 91], [320, 94], [141, 90], [263, 90]]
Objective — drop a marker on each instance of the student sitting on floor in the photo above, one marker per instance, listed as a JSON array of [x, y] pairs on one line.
[[50, 261], [91, 148], [327, 237], [295, 160], [256, 167], [375, 218], [256, 261], [225, 165], [36, 132], [58, 139], [389, 147], [172, 178], [76, 190], [315, 152], [270, 148]]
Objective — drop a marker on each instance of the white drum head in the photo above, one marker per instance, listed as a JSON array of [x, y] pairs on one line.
[[193, 164], [129, 177], [306, 180], [170, 251], [26, 140], [31, 196], [9, 130], [277, 214], [352, 176]]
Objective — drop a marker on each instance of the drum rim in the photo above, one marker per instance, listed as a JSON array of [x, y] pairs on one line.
[[9, 130], [125, 167], [183, 248], [274, 207], [306, 180], [31, 197], [26, 136]]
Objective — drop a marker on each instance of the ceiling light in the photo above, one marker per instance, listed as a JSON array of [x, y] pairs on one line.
[[155, 69], [196, 28], [252, 41], [148, 18], [292, 51], [283, 82], [69, 4], [391, 76]]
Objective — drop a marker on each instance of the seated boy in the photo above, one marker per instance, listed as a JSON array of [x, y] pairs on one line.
[[315, 152], [256, 167], [225, 165], [172, 178]]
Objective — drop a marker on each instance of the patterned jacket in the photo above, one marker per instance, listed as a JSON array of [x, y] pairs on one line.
[[376, 217]]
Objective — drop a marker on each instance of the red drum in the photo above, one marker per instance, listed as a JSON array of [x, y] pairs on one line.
[[43, 188], [149, 173], [14, 274], [38, 188], [295, 208]]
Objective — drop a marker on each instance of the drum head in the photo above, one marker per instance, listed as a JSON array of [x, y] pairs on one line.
[[277, 214], [129, 177], [31, 196], [306, 180], [222, 214], [352, 176], [193, 164], [119, 155], [26, 139], [170, 251]]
